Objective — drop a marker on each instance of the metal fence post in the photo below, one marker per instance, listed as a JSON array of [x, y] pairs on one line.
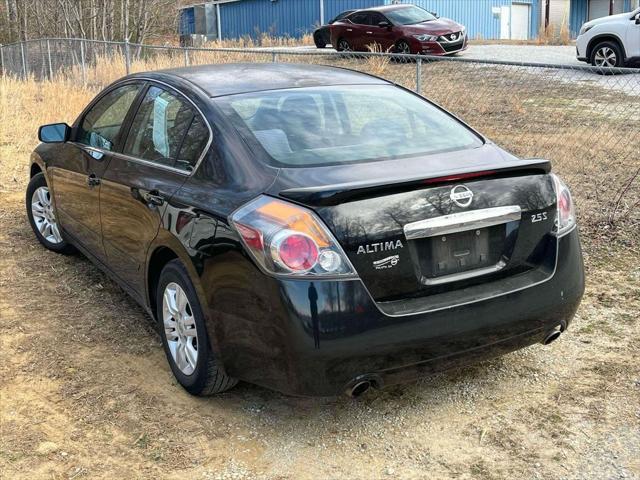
[[419, 76], [274, 57], [4, 73], [49, 57], [127, 57], [24, 61], [186, 57], [82, 63]]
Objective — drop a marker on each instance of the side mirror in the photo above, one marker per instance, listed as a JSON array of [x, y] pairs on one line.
[[435, 14], [638, 19], [384, 24], [54, 133]]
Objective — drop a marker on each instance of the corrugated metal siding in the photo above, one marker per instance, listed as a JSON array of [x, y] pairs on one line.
[[297, 17], [578, 16], [284, 17], [334, 7], [187, 22], [476, 15]]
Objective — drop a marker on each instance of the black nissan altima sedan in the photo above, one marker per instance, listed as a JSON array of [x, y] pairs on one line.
[[310, 229]]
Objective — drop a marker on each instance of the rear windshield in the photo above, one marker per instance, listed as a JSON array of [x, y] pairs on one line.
[[305, 127], [409, 15]]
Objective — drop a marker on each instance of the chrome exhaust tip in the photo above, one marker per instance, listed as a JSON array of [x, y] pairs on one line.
[[553, 334], [359, 389], [362, 384]]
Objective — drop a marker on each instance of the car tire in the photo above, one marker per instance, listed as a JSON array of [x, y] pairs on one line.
[[183, 332], [42, 216], [403, 47], [607, 54], [343, 45], [320, 41]]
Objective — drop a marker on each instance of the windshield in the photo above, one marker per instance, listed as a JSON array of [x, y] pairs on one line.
[[409, 15], [344, 124]]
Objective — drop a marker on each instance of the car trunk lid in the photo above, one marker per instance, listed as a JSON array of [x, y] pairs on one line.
[[424, 235]]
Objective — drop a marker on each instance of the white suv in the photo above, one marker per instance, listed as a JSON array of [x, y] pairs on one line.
[[612, 41]]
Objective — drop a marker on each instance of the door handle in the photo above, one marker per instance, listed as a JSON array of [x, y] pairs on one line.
[[370, 33], [153, 199], [93, 181], [349, 29]]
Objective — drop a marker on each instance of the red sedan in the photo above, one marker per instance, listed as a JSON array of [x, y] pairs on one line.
[[399, 29]]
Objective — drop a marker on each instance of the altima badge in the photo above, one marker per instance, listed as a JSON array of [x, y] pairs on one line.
[[461, 196], [385, 263], [380, 247]]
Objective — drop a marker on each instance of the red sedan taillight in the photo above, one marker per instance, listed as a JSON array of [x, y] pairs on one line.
[[287, 239], [566, 209]]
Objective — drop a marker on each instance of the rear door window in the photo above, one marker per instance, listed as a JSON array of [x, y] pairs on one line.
[[101, 125], [193, 145], [360, 18], [376, 18], [159, 128]]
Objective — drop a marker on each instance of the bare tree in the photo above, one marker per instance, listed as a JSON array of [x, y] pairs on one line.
[[138, 20]]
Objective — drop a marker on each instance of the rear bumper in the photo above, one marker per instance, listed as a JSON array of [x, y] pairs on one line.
[[317, 338]]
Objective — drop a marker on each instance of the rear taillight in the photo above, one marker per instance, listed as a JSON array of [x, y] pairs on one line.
[[286, 239], [566, 219]]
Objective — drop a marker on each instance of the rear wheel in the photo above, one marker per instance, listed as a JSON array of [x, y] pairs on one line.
[[42, 216], [607, 55], [320, 40], [184, 334], [343, 45]]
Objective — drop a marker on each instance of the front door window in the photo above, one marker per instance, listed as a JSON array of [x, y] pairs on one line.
[[101, 125]]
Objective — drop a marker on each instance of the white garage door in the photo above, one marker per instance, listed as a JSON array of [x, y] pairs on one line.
[[520, 21], [598, 8]]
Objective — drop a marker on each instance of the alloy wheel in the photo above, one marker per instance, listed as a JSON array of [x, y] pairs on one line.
[[606, 57], [44, 217], [344, 46], [180, 328], [403, 47]]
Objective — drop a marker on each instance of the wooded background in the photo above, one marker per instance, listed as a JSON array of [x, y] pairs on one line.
[[142, 21]]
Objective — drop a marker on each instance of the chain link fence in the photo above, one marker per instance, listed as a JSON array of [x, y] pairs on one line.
[[585, 119]]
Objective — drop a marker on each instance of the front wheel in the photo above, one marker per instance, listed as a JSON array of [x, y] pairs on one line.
[[403, 47], [42, 217], [184, 334], [607, 55]]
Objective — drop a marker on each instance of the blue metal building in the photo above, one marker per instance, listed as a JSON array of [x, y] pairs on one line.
[[486, 19]]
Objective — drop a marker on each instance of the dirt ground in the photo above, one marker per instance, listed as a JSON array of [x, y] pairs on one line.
[[86, 392]]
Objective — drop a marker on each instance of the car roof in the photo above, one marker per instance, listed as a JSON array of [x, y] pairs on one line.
[[388, 8], [235, 78]]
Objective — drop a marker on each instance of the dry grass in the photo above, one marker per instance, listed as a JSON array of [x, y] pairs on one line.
[[261, 40], [565, 32], [377, 65], [553, 35], [24, 106]]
